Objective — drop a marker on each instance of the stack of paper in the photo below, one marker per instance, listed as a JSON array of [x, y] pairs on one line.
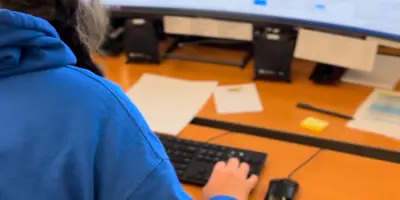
[[170, 104], [237, 99]]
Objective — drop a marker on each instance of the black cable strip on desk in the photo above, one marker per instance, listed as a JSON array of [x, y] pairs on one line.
[[333, 145], [304, 163]]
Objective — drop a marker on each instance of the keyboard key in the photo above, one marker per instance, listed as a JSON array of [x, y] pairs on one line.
[[255, 170], [202, 171], [215, 160], [179, 172], [200, 157], [186, 155], [187, 142], [180, 166], [207, 159], [177, 153], [256, 161], [252, 171], [232, 153], [203, 151], [211, 152], [205, 179], [199, 177], [196, 144], [246, 159], [175, 159], [192, 149]]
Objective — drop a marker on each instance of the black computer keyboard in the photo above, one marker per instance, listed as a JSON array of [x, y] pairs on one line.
[[194, 161]]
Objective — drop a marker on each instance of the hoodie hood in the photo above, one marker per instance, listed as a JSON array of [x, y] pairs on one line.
[[29, 44]]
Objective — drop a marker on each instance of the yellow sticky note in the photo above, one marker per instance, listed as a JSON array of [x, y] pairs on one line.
[[314, 124]]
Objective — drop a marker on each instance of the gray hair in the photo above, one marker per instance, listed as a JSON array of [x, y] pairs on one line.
[[92, 22], [90, 19]]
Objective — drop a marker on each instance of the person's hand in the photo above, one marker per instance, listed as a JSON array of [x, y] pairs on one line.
[[230, 179]]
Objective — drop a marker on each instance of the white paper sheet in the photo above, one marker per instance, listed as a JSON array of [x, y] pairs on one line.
[[169, 104], [237, 99], [379, 113], [385, 75]]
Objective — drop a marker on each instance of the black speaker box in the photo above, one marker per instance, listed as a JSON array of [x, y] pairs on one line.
[[273, 54], [327, 74], [140, 41]]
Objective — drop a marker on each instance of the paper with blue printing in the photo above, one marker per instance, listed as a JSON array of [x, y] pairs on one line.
[[379, 113]]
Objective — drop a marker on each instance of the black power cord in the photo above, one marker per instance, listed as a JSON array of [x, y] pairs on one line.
[[304, 163], [218, 136]]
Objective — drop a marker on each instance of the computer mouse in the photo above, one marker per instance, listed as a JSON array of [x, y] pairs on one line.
[[282, 189]]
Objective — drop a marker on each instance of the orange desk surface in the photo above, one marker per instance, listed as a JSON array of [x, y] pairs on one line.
[[331, 175], [279, 99]]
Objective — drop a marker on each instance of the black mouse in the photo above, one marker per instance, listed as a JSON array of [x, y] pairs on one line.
[[282, 189]]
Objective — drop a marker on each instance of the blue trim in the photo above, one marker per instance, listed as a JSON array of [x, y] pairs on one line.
[[260, 2]]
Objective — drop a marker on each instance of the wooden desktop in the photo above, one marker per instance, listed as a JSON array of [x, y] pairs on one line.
[[331, 175]]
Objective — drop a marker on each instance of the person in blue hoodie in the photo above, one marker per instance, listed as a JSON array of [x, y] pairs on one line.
[[68, 134]]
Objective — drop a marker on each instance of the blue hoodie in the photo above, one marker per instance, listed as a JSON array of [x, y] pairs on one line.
[[66, 134]]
